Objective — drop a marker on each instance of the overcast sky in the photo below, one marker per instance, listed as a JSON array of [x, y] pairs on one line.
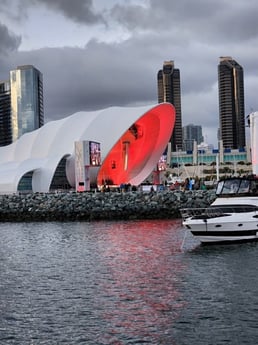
[[99, 53]]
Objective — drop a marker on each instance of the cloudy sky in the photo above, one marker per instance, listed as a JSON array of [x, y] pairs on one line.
[[99, 53]]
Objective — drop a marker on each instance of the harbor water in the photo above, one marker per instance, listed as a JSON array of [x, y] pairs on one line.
[[121, 283]]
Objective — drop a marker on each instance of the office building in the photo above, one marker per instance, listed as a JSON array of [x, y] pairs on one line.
[[169, 90], [26, 84], [231, 103], [21, 104], [191, 133], [5, 114]]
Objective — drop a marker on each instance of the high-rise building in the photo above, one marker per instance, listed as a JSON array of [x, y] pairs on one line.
[[169, 90], [5, 114], [191, 133], [21, 103], [27, 113], [231, 103]]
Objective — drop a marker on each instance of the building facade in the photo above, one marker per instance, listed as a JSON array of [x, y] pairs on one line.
[[209, 156], [169, 90], [26, 100], [21, 103], [5, 114], [191, 133], [231, 103]]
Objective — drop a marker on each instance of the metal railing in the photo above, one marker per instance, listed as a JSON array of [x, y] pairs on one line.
[[216, 211]]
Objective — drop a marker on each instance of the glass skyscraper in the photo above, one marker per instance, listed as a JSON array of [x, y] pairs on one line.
[[27, 113], [5, 114], [169, 90], [231, 103]]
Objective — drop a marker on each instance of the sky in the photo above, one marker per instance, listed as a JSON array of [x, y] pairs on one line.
[[100, 53]]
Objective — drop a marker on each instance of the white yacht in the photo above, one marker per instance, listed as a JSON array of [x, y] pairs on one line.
[[233, 216]]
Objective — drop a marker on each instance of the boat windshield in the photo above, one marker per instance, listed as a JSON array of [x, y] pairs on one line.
[[234, 186]]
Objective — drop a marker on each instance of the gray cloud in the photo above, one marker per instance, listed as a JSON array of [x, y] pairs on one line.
[[108, 74], [80, 11], [192, 33], [3, 5], [202, 20], [102, 75], [98, 76], [8, 41]]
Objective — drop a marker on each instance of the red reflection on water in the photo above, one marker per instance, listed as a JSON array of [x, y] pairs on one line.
[[141, 297]]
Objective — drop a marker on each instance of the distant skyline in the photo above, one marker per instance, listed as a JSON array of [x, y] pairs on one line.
[[95, 54]]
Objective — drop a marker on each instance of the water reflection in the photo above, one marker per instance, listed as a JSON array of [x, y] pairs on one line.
[[91, 283], [123, 283], [141, 299]]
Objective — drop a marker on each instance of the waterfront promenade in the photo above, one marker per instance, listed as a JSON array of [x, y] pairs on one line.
[[88, 206]]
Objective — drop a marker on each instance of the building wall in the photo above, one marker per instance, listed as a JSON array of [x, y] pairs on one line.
[[169, 90], [5, 114], [191, 133], [26, 100], [231, 103], [200, 157]]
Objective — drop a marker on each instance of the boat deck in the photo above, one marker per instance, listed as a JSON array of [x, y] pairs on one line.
[[216, 211]]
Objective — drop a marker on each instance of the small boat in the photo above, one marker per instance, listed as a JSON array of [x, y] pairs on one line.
[[232, 217]]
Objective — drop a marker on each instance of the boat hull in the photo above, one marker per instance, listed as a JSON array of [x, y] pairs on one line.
[[231, 228], [228, 237]]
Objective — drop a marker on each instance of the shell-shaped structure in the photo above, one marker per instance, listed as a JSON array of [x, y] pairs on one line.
[[132, 140]]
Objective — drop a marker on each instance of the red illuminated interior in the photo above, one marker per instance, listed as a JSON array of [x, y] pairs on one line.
[[148, 136]]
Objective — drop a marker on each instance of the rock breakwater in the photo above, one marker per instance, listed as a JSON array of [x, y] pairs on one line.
[[100, 206]]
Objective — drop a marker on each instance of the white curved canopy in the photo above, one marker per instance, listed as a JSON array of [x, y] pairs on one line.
[[41, 151]]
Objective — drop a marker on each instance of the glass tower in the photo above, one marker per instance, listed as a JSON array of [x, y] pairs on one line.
[[27, 113], [231, 103], [5, 114], [169, 90]]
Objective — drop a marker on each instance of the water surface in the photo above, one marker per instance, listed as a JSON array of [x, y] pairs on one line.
[[136, 282]]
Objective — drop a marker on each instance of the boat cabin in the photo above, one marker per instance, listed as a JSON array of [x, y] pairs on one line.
[[237, 186]]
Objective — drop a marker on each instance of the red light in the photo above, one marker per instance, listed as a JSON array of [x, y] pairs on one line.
[[140, 147]]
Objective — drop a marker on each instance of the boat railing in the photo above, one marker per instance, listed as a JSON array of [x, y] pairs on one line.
[[202, 213], [216, 211]]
